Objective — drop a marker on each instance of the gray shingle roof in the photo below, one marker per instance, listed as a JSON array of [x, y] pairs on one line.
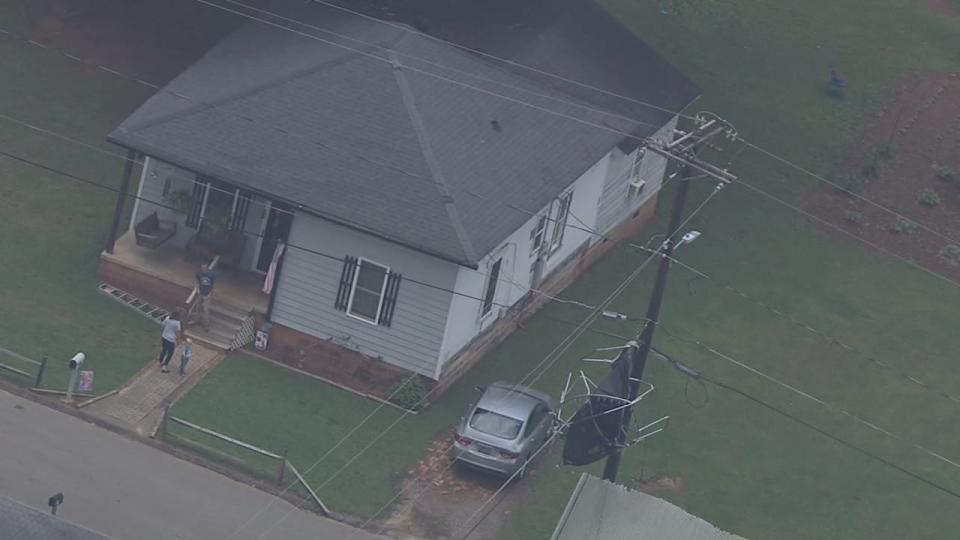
[[601, 510], [377, 139], [22, 522]]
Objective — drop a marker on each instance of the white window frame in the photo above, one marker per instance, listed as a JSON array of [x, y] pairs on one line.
[[486, 288], [539, 231], [560, 225], [353, 290]]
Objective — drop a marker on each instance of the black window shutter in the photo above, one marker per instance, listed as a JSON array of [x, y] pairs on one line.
[[199, 193], [239, 220], [346, 283], [390, 299]]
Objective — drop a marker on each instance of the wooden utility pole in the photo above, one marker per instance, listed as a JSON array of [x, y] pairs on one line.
[[684, 151], [639, 356]]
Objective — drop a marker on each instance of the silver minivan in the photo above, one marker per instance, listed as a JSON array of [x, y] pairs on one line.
[[504, 428]]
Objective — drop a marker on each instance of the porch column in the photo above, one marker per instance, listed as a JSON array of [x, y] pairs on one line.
[[121, 200]]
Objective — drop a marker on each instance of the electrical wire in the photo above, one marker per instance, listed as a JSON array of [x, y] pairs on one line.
[[811, 397], [871, 202], [455, 82], [410, 30], [830, 436], [98, 185], [577, 333], [829, 338], [846, 232], [283, 131]]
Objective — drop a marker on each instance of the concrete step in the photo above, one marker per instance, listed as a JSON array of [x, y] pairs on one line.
[[228, 312], [215, 337]]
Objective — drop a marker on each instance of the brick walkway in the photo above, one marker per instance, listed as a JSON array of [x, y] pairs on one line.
[[138, 405]]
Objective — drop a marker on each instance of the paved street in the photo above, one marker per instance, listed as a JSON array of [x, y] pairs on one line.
[[125, 489]]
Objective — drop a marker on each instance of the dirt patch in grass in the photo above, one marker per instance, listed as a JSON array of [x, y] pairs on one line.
[[907, 159], [153, 40], [439, 498], [943, 8], [672, 484]]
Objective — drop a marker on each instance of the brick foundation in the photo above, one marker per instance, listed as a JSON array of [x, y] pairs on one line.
[[553, 285], [335, 362], [374, 376]]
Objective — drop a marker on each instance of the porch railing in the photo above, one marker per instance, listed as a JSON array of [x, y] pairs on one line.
[[190, 306]]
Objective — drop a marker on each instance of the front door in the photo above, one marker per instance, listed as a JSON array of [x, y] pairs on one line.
[[276, 231]]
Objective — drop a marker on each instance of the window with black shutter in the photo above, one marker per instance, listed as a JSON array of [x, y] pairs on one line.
[[390, 298], [368, 291], [492, 278], [346, 283]]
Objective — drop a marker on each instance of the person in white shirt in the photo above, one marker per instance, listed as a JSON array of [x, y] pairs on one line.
[[169, 339]]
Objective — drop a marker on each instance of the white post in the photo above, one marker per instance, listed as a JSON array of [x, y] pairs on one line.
[[75, 364]]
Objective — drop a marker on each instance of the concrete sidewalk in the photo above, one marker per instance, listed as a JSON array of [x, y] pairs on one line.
[[125, 489], [137, 407]]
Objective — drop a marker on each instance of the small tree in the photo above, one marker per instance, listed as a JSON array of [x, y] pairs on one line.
[[903, 226], [886, 150], [944, 173], [929, 198], [950, 254]]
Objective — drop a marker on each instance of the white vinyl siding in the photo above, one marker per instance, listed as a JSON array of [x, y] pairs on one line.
[[308, 285]]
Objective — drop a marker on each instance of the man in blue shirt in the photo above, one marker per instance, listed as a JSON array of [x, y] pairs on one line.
[[205, 281]]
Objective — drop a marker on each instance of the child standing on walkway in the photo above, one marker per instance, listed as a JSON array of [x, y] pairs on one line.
[[186, 356]]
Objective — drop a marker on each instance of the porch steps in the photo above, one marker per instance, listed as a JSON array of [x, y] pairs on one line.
[[226, 326], [155, 313], [230, 328]]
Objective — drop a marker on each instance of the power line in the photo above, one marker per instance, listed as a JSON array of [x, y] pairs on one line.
[[555, 354], [830, 436], [697, 375], [604, 306], [871, 202], [607, 128], [829, 338], [498, 58], [815, 399], [283, 131], [455, 70], [846, 232], [429, 74], [98, 185]]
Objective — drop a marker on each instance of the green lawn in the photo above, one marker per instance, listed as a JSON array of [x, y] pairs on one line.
[[744, 467], [53, 228]]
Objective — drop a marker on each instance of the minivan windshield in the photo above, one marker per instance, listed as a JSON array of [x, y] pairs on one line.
[[495, 424]]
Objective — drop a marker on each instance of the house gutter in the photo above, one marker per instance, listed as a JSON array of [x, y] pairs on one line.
[[298, 206]]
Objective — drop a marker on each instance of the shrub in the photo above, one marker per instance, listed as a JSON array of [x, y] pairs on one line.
[[929, 197], [871, 167], [409, 394], [944, 173], [850, 183], [950, 254], [904, 226], [853, 217], [886, 150]]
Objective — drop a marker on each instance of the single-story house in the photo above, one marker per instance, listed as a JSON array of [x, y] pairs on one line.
[[601, 510], [422, 193]]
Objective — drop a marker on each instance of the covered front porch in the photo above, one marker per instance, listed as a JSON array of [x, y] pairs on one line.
[[166, 276], [180, 220]]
